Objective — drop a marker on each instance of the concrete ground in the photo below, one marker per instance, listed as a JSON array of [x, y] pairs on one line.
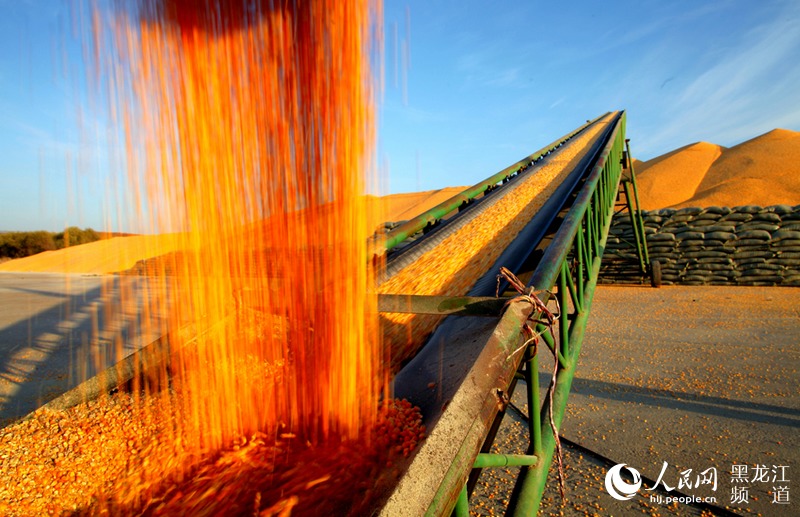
[[56, 330], [692, 377]]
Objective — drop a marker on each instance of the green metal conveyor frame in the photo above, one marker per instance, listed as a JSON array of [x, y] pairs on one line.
[[569, 269], [572, 263]]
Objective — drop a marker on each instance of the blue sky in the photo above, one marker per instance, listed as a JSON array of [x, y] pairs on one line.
[[469, 87]]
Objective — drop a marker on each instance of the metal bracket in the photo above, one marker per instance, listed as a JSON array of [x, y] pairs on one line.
[[443, 305], [488, 306]]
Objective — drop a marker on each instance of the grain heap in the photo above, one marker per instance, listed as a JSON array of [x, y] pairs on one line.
[[674, 177], [762, 171], [81, 461], [453, 266], [104, 256], [58, 461], [141, 254], [401, 207]]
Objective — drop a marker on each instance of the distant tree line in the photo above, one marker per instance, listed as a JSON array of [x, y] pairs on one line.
[[24, 244]]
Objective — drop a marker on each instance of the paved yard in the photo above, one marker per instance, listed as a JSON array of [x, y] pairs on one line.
[[57, 330], [695, 377]]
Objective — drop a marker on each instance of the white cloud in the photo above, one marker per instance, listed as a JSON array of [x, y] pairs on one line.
[[557, 102], [485, 69], [413, 114], [752, 88]]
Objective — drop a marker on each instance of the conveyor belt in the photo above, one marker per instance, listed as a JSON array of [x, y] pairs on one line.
[[402, 257], [434, 359], [459, 376], [464, 255]]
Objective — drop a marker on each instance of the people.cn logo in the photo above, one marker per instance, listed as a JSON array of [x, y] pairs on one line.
[[617, 487]]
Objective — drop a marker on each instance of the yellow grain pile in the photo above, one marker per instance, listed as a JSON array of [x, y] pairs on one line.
[[57, 462], [402, 207], [762, 171], [674, 177], [106, 256], [122, 253], [453, 266], [91, 459]]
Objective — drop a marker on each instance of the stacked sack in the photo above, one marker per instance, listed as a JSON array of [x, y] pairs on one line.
[[744, 245]]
